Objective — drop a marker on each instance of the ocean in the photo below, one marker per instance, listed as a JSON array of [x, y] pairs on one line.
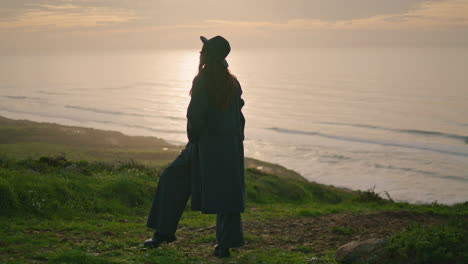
[[391, 118]]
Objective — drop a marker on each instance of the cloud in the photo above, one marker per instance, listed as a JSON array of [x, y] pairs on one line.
[[129, 24], [64, 14], [38, 17], [448, 14], [441, 15]]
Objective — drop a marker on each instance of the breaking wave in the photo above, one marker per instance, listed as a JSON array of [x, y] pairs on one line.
[[408, 131], [20, 97], [101, 111], [368, 141], [427, 173]]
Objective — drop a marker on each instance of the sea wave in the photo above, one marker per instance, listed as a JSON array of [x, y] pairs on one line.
[[410, 131], [139, 84], [368, 141], [427, 173], [140, 127], [51, 93], [20, 97], [102, 111]]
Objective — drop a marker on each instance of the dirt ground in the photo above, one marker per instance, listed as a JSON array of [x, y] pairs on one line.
[[314, 234]]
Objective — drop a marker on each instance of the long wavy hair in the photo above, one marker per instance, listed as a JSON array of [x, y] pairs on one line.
[[221, 84]]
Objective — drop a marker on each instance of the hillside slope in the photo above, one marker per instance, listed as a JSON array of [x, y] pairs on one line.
[[89, 206]]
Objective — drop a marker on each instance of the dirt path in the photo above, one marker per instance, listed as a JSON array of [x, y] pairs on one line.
[[314, 234]]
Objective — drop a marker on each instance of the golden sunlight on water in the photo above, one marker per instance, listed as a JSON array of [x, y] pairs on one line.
[[187, 68], [188, 64]]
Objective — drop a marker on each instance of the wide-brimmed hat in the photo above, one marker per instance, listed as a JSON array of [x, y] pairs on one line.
[[218, 48]]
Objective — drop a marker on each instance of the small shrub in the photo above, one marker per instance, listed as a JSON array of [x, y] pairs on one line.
[[96, 166], [57, 161], [369, 196], [420, 244], [131, 164]]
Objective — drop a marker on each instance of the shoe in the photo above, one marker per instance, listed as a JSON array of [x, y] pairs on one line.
[[150, 243], [158, 239], [221, 252]]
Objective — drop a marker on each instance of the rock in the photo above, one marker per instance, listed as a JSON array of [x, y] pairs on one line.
[[360, 251]]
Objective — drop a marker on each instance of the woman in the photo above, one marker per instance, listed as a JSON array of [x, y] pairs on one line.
[[211, 167]]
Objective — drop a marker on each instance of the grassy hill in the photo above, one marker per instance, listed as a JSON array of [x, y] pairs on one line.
[[83, 197], [21, 139]]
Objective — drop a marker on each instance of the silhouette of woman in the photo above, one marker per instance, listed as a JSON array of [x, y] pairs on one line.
[[211, 167]]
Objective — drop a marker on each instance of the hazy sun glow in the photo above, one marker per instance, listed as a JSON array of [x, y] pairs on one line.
[[188, 65]]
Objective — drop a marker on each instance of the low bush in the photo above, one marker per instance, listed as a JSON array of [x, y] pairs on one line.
[[370, 195], [418, 244]]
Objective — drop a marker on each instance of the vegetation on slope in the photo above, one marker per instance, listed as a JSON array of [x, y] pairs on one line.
[[55, 210], [92, 209]]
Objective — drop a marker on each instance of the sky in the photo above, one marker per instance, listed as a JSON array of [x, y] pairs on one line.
[[56, 25]]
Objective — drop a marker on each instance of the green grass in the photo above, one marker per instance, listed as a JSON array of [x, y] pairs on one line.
[[278, 256], [57, 187], [77, 257], [83, 197], [41, 188], [95, 212], [447, 243]]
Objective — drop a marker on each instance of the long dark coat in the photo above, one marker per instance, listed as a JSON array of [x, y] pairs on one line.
[[217, 151]]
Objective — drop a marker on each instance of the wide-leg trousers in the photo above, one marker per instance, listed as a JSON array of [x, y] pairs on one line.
[[171, 197]]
